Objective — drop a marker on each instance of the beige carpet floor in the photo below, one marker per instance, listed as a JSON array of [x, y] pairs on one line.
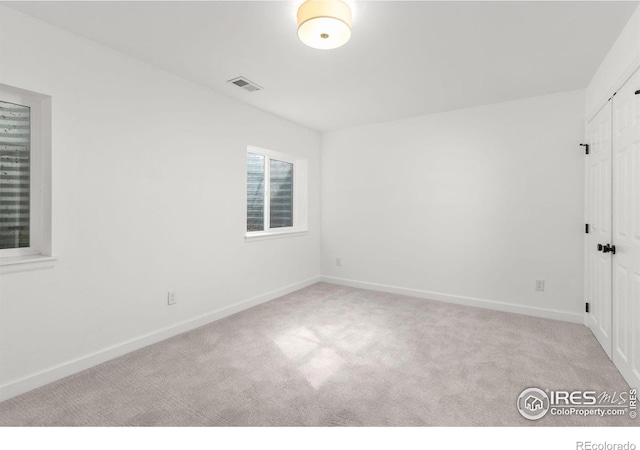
[[332, 355]]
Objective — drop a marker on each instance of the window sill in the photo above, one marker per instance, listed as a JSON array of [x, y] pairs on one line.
[[265, 235], [26, 263]]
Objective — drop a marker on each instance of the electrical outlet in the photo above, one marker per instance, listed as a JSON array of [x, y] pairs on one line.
[[172, 298], [338, 262], [539, 285]]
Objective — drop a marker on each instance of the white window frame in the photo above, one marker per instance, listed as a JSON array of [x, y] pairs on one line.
[[300, 196], [40, 243]]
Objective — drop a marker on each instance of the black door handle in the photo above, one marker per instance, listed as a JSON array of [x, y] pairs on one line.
[[609, 249]]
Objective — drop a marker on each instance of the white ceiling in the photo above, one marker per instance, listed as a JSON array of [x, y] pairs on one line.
[[404, 58]]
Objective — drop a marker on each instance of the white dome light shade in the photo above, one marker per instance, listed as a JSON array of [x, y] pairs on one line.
[[324, 24]]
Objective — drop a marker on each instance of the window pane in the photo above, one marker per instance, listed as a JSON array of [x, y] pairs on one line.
[[281, 185], [15, 142], [255, 192]]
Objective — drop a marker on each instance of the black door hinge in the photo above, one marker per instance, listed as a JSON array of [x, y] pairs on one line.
[[586, 307], [586, 228], [586, 148]]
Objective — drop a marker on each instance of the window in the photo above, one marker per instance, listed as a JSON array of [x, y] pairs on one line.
[[15, 152], [25, 178], [276, 194]]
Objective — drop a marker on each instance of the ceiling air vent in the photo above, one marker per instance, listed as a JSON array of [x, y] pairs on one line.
[[245, 84]]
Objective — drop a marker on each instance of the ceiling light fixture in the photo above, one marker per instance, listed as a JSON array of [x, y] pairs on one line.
[[324, 24]]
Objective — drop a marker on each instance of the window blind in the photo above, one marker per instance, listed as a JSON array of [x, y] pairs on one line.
[[281, 199], [15, 145], [255, 192]]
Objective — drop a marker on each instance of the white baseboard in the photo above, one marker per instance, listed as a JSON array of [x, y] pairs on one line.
[[565, 316], [25, 384]]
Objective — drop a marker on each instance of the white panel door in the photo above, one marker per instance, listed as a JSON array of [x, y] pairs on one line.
[[598, 216], [626, 231]]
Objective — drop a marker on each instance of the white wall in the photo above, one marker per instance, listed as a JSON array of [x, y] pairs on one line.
[[470, 206], [148, 188], [619, 64]]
